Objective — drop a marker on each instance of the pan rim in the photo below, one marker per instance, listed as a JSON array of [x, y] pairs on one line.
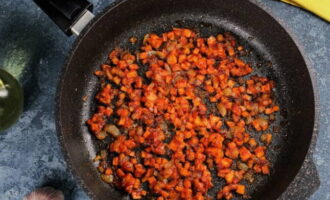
[[113, 5], [313, 76]]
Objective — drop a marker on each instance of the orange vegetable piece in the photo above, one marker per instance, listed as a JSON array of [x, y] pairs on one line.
[[240, 189]]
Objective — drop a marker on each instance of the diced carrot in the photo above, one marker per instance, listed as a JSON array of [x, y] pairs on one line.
[[171, 59], [230, 177], [245, 154], [240, 189], [168, 103]]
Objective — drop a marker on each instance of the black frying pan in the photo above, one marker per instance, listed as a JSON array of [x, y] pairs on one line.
[[274, 54]]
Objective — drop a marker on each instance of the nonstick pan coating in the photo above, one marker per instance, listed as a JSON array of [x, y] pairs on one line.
[[273, 54]]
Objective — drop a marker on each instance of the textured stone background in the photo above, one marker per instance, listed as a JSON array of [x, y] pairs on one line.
[[34, 49]]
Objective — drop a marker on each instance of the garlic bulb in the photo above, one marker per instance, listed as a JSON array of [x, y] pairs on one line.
[[46, 193]]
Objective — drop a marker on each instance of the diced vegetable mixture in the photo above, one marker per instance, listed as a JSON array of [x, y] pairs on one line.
[[188, 113]]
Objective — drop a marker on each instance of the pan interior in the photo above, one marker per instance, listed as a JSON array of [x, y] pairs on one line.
[[273, 54]]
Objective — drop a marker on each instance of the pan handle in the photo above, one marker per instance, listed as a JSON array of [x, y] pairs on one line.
[[71, 16]]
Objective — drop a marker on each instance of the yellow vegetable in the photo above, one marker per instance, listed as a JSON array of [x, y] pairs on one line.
[[318, 7]]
